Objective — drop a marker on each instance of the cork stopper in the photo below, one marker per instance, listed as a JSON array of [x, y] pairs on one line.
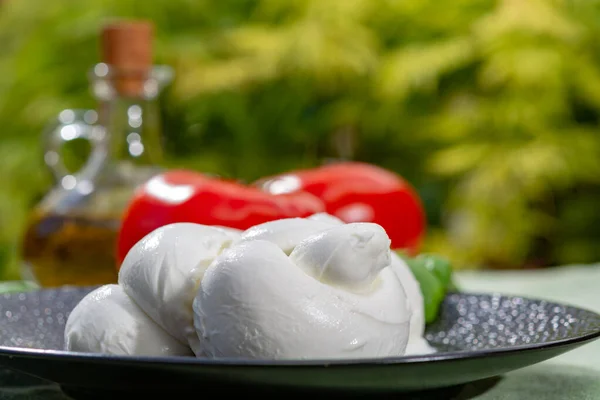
[[127, 49]]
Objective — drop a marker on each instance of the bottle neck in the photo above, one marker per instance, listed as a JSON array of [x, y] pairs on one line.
[[133, 130], [128, 110]]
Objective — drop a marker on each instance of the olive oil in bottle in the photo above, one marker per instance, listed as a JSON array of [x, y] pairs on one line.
[[72, 232]]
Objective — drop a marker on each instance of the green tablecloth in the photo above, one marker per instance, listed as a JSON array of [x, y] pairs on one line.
[[575, 375]]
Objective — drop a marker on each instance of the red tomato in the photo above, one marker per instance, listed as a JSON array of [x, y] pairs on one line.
[[187, 196], [360, 192]]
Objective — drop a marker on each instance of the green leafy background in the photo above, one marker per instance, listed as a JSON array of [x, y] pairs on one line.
[[490, 108]]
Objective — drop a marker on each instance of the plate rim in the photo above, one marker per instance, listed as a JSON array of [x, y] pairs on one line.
[[14, 352], [64, 355]]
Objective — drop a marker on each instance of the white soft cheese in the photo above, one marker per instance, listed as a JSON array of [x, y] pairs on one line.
[[292, 288], [327, 218], [285, 233], [349, 256], [335, 296], [162, 272], [107, 321], [417, 343]]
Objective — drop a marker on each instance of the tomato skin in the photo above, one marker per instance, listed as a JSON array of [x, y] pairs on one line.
[[361, 192], [351, 191], [189, 196]]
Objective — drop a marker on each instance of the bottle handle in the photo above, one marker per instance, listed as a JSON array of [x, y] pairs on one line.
[[73, 124]]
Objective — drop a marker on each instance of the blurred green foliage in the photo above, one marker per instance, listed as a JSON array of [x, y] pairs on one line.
[[490, 108]]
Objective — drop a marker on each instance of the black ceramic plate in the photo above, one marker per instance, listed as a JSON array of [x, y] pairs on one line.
[[477, 336]]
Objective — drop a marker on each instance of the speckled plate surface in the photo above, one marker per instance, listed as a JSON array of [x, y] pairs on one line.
[[477, 337]]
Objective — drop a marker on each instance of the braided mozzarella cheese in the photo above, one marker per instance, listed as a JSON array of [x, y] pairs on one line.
[[333, 296], [293, 288], [288, 233]]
